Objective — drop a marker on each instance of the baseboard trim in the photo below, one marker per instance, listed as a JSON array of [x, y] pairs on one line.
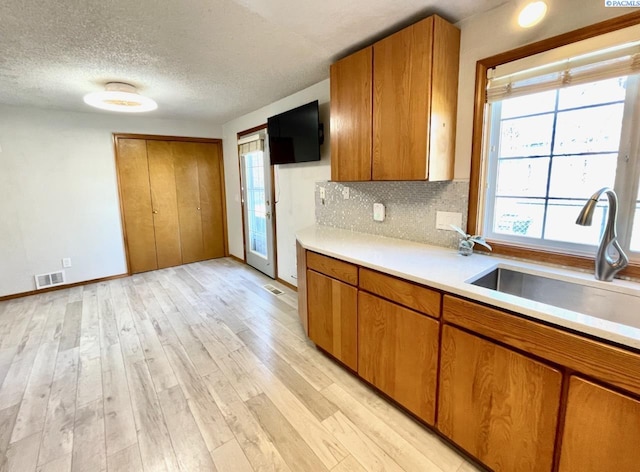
[[237, 259], [61, 287], [287, 284]]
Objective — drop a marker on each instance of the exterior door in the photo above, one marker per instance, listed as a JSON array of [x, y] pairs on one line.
[[257, 204]]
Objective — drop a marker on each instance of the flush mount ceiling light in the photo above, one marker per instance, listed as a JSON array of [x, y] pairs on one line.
[[532, 14], [118, 96]]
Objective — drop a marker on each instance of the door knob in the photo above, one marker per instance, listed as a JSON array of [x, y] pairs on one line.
[[155, 211], [198, 208]]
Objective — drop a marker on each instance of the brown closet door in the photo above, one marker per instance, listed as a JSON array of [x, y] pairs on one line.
[[165, 203], [185, 157], [211, 198], [133, 173]]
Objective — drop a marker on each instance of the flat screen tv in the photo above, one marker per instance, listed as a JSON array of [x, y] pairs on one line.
[[295, 135]]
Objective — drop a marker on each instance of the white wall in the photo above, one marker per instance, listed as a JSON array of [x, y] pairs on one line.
[[497, 31], [59, 193], [294, 182]]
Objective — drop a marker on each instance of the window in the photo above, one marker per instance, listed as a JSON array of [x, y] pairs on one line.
[[553, 133], [548, 152]]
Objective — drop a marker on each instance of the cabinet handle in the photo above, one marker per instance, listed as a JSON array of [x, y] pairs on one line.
[[198, 208], [155, 212]]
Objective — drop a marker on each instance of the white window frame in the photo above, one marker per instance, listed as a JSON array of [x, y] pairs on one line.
[[626, 183]]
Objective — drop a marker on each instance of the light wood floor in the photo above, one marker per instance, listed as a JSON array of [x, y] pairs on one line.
[[191, 368]]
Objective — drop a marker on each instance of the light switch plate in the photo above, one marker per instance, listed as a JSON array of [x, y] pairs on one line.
[[322, 193], [345, 193], [66, 262], [444, 220], [378, 212]]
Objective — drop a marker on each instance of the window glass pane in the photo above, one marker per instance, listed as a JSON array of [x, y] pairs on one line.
[[604, 91], [519, 216], [580, 176], [561, 222], [529, 104], [594, 129], [523, 137], [523, 177]]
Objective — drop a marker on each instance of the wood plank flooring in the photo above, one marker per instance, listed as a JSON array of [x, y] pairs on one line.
[[193, 368]]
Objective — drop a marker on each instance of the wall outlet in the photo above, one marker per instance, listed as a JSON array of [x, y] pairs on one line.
[[66, 262], [444, 220], [345, 193], [378, 212]]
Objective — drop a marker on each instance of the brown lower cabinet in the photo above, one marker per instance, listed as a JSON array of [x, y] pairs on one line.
[[333, 322], [512, 391], [398, 353], [500, 406], [601, 431]]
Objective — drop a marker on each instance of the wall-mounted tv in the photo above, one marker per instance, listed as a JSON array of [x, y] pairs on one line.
[[295, 135]]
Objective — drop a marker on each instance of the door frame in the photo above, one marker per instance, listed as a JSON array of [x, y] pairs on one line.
[[153, 137], [239, 135]]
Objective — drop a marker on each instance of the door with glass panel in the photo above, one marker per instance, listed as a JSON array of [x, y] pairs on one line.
[[257, 204]]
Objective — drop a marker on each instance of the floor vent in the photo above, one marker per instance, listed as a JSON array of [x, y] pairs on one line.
[[272, 289], [49, 280]]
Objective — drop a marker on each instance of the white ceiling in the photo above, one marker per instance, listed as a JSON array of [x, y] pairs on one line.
[[199, 59]]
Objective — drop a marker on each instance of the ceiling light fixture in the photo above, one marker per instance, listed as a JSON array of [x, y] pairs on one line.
[[532, 14], [118, 96]]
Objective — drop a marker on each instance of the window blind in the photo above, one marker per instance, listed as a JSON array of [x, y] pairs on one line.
[[252, 143], [612, 62]]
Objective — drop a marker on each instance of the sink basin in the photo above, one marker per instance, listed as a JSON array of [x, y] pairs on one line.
[[604, 303]]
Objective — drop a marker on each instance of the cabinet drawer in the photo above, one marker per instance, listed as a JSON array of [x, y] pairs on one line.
[[405, 293], [340, 270]]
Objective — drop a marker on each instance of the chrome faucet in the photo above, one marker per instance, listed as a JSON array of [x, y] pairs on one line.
[[606, 266]]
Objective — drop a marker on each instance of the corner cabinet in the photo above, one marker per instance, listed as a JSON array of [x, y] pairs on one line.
[[332, 307], [393, 106]]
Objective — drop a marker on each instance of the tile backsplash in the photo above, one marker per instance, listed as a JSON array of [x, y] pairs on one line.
[[410, 208]]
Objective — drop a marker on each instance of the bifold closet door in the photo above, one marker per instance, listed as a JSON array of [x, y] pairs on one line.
[[133, 173], [199, 193], [172, 201], [210, 177], [164, 201], [188, 193]]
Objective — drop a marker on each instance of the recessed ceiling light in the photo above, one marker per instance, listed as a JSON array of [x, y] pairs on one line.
[[118, 96], [532, 14]]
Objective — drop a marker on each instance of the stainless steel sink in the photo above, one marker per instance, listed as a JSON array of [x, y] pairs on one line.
[[603, 303]]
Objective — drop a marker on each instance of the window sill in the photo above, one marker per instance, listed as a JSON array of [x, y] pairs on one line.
[[551, 257]]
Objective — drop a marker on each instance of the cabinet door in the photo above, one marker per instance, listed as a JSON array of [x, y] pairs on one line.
[[165, 203], [188, 192], [351, 110], [135, 194], [501, 406], [211, 182], [601, 431], [401, 106], [398, 353], [332, 312]]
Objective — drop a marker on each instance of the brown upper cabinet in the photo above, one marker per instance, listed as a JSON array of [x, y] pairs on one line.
[[393, 106]]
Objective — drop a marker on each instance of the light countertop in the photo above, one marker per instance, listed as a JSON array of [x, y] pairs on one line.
[[446, 270]]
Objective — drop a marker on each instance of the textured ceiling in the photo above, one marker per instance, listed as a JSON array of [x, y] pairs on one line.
[[199, 59]]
